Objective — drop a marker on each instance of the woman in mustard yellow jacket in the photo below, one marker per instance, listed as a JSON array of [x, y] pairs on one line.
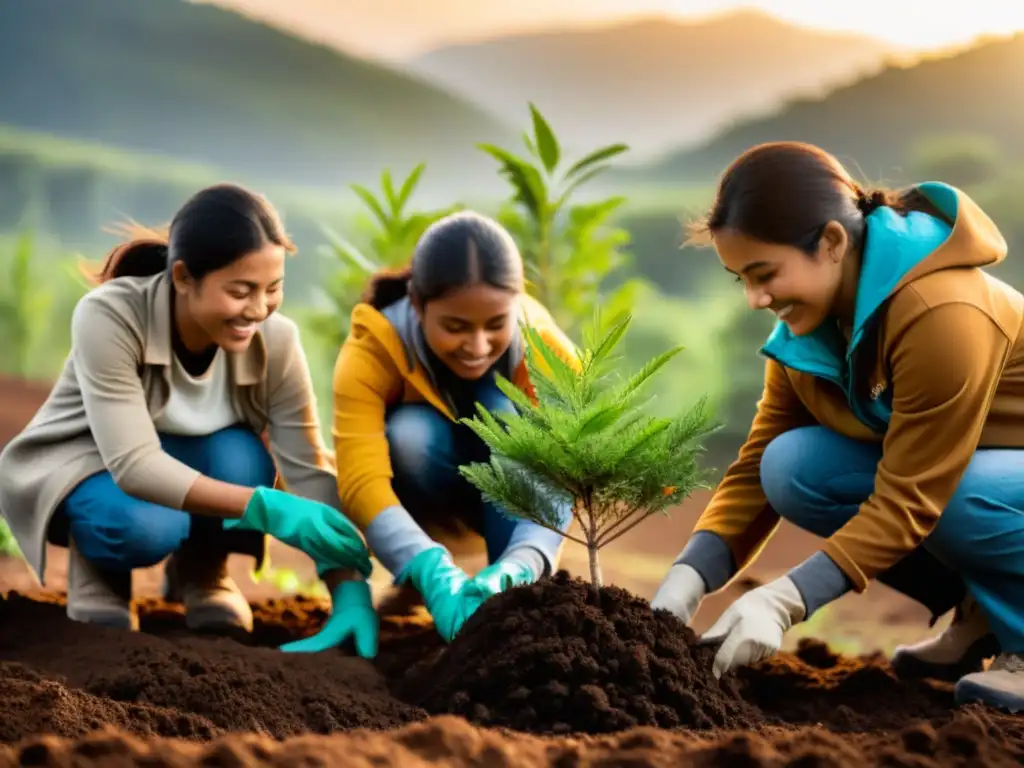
[[892, 419], [425, 346]]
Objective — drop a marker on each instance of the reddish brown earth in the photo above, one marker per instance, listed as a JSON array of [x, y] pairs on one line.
[[80, 695], [83, 695]]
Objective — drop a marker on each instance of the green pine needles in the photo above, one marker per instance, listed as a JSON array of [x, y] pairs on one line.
[[588, 442]]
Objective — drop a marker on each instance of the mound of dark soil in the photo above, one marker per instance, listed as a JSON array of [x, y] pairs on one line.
[[215, 681], [816, 685], [552, 657]]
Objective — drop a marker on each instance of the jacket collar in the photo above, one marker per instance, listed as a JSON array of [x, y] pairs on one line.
[[247, 368]]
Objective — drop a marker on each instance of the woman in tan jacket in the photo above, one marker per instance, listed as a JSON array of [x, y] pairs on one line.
[[151, 443], [890, 423]]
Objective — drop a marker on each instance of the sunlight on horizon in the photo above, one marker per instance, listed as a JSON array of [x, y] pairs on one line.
[[398, 29], [913, 23]]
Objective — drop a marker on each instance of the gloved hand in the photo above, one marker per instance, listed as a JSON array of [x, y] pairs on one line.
[[444, 588], [753, 626], [517, 566], [681, 592], [319, 530], [352, 615]]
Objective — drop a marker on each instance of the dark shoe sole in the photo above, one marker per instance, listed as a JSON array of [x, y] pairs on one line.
[[910, 667], [215, 619], [118, 620]]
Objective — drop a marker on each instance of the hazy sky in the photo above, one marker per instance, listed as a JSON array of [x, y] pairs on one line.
[[402, 28]]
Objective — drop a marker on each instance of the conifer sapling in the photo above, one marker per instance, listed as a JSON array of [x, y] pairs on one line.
[[587, 441]]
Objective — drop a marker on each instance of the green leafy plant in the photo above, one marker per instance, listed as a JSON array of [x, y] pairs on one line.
[[390, 234], [569, 250], [25, 303], [8, 545], [586, 440]]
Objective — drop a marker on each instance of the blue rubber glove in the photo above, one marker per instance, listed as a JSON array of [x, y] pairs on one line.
[[317, 529], [352, 615], [444, 588], [517, 567]]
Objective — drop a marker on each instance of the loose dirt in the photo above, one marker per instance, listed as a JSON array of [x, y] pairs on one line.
[[555, 658], [83, 695]]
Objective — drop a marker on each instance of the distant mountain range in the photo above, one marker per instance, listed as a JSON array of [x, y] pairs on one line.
[[880, 122], [199, 83], [655, 84]]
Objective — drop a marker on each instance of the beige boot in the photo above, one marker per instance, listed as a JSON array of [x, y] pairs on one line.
[[959, 650], [211, 598], [96, 596], [1001, 686]]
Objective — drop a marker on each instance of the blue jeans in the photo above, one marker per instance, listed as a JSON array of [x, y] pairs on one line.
[[427, 450], [117, 532], [817, 479]]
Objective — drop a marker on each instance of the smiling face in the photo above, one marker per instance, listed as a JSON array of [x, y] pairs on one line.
[[470, 328], [226, 305], [801, 290]]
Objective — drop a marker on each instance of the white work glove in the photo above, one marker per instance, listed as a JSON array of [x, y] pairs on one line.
[[753, 626], [681, 592]]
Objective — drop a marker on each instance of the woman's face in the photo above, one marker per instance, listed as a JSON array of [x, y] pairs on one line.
[[470, 328], [800, 290], [225, 307]]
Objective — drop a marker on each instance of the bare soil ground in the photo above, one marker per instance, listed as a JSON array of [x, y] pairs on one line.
[[541, 678]]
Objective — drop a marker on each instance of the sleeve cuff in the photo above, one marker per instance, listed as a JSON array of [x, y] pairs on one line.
[[395, 538], [529, 556], [709, 555], [543, 540], [819, 581]]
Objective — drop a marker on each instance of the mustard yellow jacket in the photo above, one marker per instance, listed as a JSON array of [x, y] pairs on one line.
[[381, 364]]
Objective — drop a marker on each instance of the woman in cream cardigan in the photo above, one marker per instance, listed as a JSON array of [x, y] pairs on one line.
[[151, 443]]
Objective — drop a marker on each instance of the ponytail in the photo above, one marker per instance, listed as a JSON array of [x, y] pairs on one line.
[[902, 201], [144, 254], [386, 287]]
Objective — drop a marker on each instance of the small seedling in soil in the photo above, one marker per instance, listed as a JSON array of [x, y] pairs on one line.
[[585, 438]]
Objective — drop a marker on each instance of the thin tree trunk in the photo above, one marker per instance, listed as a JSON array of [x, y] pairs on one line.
[[595, 569]]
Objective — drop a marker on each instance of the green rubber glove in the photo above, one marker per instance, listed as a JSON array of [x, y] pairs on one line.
[[443, 586], [502, 575], [352, 616], [317, 529]]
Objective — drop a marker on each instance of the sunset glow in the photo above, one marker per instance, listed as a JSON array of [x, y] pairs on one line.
[[914, 23], [403, 28]]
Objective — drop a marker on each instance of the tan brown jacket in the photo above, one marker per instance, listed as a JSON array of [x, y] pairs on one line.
[[947, 357], [99, 415]]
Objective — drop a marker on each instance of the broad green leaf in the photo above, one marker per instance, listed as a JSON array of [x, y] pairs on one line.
[[577, 182], [344, 248], [597, 156], [530, 188], [530, 146], [372, 203], [389, 191], [410, 183], [546, 143]]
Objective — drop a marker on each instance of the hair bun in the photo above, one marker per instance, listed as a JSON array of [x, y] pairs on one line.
[[869, 202]]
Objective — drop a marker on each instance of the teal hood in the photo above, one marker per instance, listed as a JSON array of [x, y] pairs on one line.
[[894, 246]]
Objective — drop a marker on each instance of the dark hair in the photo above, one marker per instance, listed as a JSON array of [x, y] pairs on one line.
[[214, 228], [786, 192], [456, 251]]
